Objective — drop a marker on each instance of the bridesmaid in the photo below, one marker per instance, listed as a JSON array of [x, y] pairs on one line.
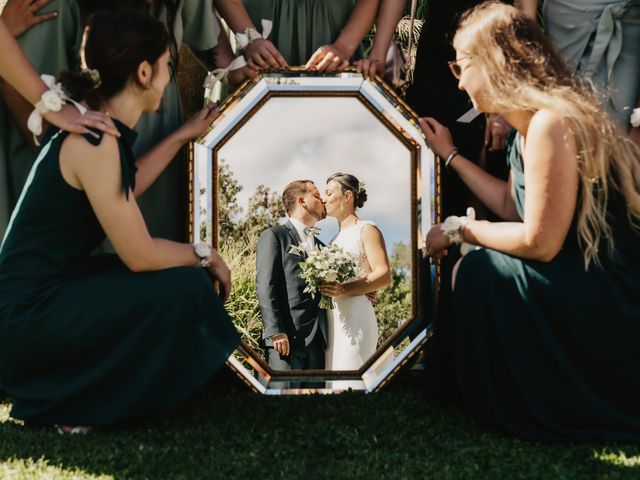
[[546, 313], [599, 40], [323, 34], [97, 340]]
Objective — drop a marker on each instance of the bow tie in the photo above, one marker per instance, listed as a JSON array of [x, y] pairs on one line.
[[312, 231]]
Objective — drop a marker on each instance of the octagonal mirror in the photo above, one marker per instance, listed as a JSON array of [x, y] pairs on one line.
[[296, 125]]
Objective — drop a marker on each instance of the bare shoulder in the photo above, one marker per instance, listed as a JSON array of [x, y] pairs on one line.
[[371, 232], [549, 131], [84, 162], [551, 125], [77, 146]]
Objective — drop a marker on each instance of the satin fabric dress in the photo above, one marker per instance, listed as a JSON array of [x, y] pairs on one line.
[[84, 340], [548, 350]]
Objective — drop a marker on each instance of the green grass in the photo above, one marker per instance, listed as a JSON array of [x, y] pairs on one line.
[[226, 431]]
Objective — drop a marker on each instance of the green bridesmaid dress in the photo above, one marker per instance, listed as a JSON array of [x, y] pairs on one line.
[[83, 340], [549, 350], [301, 26]]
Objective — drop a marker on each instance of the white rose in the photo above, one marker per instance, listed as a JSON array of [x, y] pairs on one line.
[[52, 101], [635, 118], [331, 276]]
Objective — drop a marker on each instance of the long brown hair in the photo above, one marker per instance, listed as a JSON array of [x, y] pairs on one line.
[[525, 72]]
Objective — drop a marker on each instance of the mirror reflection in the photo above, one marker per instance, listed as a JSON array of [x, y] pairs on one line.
[[291, 230]]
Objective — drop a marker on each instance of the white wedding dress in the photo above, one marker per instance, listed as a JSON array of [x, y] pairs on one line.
[[352, 327]]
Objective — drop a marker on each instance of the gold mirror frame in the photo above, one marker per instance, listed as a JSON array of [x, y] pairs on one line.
[[399, 119]]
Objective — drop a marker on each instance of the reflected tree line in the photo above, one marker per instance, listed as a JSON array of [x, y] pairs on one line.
[[238, 236]]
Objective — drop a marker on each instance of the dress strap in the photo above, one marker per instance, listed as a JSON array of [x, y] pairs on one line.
[[125, 149]]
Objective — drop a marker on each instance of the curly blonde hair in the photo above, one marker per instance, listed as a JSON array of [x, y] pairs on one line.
[[525, 72]]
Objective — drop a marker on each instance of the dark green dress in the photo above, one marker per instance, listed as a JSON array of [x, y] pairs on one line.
[[83, 340], [547, 350], [300, 27]]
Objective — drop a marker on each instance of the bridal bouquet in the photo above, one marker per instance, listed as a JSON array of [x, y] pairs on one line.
[[327, 264]]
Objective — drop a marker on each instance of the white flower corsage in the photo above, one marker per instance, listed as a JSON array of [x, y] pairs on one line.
[[635, 117], [453, 226], [51, 101], [251, 34]]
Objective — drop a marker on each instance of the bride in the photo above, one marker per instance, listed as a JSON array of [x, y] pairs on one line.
[[352, 324]]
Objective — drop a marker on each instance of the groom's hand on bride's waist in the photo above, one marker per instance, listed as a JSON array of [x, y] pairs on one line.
[[373, 296], [281, 344]]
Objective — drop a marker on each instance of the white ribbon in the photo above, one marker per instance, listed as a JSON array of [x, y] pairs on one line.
[[51, 101], [251, 34], [220, 75]]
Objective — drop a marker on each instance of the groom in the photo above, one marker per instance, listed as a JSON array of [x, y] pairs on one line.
[[295, 330]]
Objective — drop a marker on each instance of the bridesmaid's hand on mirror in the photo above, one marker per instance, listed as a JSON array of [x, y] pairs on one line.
[[372, 66], [237, 77], [437, 242], [438, 136], [329, 58], [261, 54], [21, 15], [199, 123]]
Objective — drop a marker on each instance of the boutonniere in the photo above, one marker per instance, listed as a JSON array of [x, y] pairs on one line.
[[298, 250]]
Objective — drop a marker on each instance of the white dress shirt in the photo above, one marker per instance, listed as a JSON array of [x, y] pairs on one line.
[[307, 240]]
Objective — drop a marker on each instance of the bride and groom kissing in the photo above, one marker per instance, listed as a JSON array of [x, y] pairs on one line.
[[298, 335]]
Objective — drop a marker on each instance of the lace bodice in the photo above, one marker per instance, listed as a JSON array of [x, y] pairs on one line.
[[350, 239]]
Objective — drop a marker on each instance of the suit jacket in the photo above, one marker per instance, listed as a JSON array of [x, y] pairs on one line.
[[284, 306]]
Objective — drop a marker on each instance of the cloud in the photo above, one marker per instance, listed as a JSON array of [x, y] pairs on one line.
[[293, 138]]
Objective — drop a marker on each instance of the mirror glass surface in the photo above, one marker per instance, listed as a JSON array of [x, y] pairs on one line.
[[293, 126]]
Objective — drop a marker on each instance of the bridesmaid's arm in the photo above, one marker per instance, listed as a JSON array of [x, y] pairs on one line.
[[495, 194], [153, 163], [260, 53], [96, 171], [18, 72], [551, 183], [337, 55], [389, 15]]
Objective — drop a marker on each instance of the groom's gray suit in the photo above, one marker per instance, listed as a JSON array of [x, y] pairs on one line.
[[284, 306]]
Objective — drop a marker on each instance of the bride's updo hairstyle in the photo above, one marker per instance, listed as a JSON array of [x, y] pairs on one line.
[[350, 183], [525, 72], [116, 43]]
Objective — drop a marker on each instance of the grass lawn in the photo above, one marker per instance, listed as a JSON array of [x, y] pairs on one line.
[[226, 431]]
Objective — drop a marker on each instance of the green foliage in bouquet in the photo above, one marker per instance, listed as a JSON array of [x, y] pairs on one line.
[[327, 264]]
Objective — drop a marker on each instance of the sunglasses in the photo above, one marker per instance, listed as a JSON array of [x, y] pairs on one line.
[[455, 68]]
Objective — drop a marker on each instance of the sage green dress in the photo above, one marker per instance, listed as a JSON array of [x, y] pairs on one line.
[[301, 26], [165, 204], [83, 340], [600, 40], [51, 47], [549, 350]]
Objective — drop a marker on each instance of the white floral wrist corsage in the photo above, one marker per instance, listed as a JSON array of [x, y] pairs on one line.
[[635, 117], [453, 226], [250, 34], [51, 101]]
